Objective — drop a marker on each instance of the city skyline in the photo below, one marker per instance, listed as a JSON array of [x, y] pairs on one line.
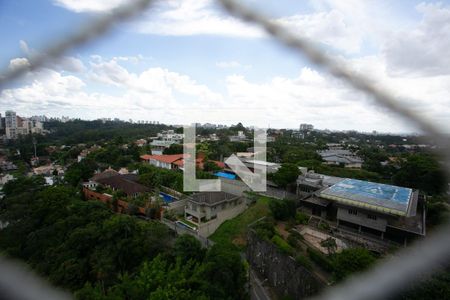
[[189, 62]]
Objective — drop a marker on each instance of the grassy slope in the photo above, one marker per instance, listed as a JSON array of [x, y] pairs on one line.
[[234, 230]]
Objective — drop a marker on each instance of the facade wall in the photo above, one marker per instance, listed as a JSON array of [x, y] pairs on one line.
[[362, 218], [208, 228], [177, 207], [160, 164]]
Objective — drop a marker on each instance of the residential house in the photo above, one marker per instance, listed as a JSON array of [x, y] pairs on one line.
[[163, 161], [210, 209], [140, 142], [127, 183], [175, 161], [240, 137], [341, 157]]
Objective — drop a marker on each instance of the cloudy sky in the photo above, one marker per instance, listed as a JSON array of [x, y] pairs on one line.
[[187, 61]]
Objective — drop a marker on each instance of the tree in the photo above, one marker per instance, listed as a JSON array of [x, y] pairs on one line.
[[329, 244], [210, 166], [174, 149], [421, 171], [187, 248], [287, 174], [350, 261], [225, 273], [80, 171], [282, 209]]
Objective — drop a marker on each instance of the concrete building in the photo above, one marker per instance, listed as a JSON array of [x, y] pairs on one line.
[[341, 157], [10, 124], [164, 140], [163, 161], [15, 125], [306, 127], [370, 209], [158, 146], [170, 135], [210, 209], [250, 163], [240, 137]]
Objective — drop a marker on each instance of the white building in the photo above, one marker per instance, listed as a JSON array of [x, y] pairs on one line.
[[342, 157], [15, 125], [170, 135], [238, 138]]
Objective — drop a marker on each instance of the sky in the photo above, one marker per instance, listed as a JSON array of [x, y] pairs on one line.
[[187, 61]]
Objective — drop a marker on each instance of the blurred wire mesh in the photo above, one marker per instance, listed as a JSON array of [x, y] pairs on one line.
[[386, 279]]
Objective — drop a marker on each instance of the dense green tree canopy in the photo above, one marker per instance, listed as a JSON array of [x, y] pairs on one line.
[[421, 171], [287, 174], [83, 247], [350, 261]]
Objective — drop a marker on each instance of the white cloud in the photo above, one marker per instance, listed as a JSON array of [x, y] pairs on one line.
[[66, 63], [232, 64], [19, 62], [89, 5], [160, 94], [159, 82], [423, 49], [332, 27], [194, 17], [329, 28]]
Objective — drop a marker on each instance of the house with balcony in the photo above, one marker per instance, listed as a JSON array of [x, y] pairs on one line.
[[210, 209]]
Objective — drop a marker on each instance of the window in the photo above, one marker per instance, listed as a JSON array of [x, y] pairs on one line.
[[372, 217], [352, 211]]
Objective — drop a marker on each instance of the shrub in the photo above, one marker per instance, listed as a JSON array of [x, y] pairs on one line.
[[282, 209], [265, 229], [352, 260], [320, 259], [301, 218], [297, 235], [292, 240], [304, 261], [324, 226], [282, 245]]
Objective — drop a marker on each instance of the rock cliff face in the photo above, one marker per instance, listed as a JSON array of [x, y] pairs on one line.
[[283, 273]]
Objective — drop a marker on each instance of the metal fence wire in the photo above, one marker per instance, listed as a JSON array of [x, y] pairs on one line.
[[386, 279]]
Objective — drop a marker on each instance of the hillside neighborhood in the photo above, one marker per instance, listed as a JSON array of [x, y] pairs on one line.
[[331, 197]]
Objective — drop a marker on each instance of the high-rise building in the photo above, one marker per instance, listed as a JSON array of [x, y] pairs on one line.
[[15, 125], [306, 127], [10, 124]]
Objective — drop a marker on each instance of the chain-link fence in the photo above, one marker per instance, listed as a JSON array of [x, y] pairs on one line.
[[386, 279]]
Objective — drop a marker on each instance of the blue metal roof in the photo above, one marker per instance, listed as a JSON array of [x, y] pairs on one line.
[[388, 198]]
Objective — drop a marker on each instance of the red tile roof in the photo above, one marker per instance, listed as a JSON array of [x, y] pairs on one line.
[[170, 159], [178, 160]]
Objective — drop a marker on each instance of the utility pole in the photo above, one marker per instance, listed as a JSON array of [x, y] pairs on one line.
[[34, 144]]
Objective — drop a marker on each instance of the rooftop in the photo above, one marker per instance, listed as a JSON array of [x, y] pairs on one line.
[[163, 158], [375, 196], [127, 183], [212, 198]]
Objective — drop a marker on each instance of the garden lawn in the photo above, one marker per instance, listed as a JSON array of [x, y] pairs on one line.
[[234, 231]]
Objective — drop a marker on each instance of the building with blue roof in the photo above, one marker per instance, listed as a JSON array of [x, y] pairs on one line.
[[368, 208]]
